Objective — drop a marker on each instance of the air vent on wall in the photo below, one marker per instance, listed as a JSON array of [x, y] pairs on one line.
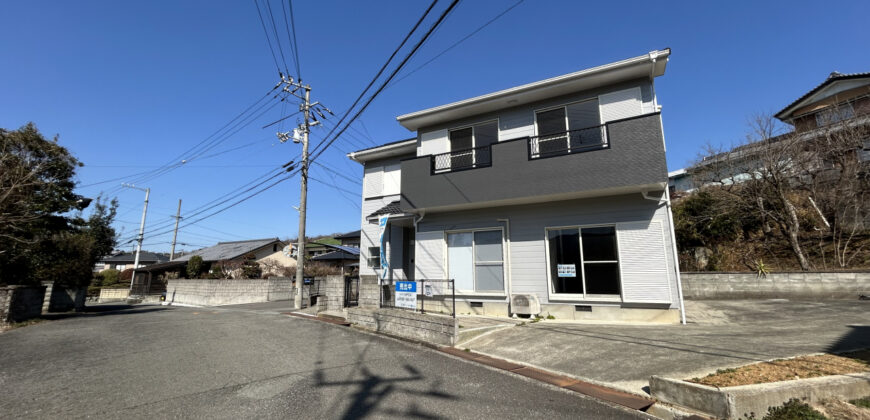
[[476, 304], [582, 308]]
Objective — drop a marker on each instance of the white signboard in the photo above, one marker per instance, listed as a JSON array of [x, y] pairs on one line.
[[406, 294], [566, 270]]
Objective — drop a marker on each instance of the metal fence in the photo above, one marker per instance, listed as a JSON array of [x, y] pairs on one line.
[[477, 157], [439, 293], [574, 141]]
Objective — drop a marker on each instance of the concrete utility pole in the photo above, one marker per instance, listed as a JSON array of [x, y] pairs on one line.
[[175, 232], [141, 231], [301, 134]]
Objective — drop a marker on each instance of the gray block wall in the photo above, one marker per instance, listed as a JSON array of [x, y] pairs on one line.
[[214, 292], [430, 328], [62, 299], [369, 292], [333, 289], [800, 285], [20, 303]]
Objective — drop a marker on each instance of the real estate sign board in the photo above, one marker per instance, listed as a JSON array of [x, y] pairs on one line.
[[406, 294]]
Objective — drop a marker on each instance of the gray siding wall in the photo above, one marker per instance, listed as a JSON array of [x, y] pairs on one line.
[[636, 157], [528, 261]]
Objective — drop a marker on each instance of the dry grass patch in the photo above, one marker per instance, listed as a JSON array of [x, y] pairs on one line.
[[789, 369]]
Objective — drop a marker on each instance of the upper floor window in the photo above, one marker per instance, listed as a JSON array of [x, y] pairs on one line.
[[469, 147], [568, 128], [835, 114]]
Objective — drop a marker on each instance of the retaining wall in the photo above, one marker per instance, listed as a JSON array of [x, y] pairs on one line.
[[800, 285], [430, 328], [369, 292], [20, 303], [214, 292]]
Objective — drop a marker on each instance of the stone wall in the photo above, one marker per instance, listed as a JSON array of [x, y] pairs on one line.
[[20, 303], [810, 285], [430, 328], [114, 294], [214, 292]]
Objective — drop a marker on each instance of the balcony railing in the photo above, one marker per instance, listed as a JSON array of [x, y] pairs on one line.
[[477, 157], [567, 142]]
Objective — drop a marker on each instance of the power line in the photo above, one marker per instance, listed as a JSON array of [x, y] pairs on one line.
[[277, 38], [355, 181], [434, 26], [268, 40], [295, 43], [463, 39], [380, 72]]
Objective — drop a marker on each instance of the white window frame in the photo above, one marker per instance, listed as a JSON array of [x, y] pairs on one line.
[[567, 123], [584, 296], [370, 256], [446, 267]]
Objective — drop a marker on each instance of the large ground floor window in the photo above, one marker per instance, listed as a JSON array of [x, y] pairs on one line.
[[583, 260], [475, 260]]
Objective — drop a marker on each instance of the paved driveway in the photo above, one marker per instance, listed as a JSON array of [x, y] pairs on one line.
[[720, 334], [152, 361]]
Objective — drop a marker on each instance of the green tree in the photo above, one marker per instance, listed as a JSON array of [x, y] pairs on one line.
[[251, 268], [43, 235], [194, 267]]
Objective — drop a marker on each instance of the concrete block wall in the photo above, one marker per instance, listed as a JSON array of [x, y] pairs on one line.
[[369, 292], [63, 299], [20, 303], [214, 292], [430, 328], [333, 289], [800, 285], [113, 295]]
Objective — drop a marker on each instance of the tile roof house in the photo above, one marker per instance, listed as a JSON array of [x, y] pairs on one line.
[[124, 260]]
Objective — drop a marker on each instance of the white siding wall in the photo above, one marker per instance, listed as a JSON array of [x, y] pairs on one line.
[[373, 181], [615, 103], [369, 231], [644, 279], [528, 260], [392, 179]]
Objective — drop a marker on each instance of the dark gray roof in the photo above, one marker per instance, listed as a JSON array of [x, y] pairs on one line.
[[336, 255], [349, 235], [229, 250], [390, 208], [130, 257], [833, 77], [348, 249]]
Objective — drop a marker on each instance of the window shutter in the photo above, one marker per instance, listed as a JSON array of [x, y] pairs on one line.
[[374, 181], [643, 262]]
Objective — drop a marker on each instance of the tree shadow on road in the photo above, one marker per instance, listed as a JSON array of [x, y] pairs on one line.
[[369, 389], [106, 310]]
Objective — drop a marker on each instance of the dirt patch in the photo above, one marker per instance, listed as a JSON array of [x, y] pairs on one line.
[[840, 410], [789, 369]]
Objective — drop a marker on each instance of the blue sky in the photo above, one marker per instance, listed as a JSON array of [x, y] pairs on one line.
[[129, 86]]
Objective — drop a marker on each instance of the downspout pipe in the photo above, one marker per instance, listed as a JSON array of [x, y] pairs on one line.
[[674, 249], [507, 222]]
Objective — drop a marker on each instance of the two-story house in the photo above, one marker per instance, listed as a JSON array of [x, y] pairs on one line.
[[553, 191]]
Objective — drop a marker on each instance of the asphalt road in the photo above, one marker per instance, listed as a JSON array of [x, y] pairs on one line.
[[152, 361]]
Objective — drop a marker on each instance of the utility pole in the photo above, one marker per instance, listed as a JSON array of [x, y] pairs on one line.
[[175, 232], [301, 134], [141, 231]]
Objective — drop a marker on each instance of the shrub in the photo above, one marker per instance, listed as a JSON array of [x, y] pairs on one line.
[[109, 277], [793, 409], [126, 275], [194, 267], [250, 268]]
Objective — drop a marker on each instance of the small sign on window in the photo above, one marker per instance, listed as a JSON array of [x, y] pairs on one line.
[[566, 270]]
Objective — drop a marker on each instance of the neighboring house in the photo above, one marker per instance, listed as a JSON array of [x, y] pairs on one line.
[[841, 98], [124, 260], [554, 190], [350, 238], [345, 257], [268, 252]]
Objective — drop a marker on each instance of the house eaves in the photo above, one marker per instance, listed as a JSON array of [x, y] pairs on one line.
[[650, 65], [816, 93], [396, 148]]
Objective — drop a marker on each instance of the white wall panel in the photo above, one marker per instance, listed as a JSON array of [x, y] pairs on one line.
[[643, 262], [620, 104]]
